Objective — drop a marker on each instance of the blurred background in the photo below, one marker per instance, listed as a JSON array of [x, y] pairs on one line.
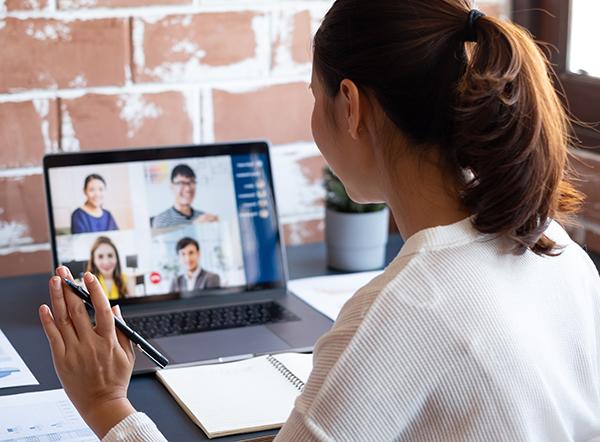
[[79, 75]]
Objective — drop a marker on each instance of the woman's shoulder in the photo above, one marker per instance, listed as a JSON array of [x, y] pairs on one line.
[[356, 308], [557, 233], [78, 212]]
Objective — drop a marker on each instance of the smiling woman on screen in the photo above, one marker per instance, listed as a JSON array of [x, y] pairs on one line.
[[91, 216], [486, 326], [105, 264]]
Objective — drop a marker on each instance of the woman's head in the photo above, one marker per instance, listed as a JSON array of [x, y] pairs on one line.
[[93, 188], [478, 95], [104, 260]]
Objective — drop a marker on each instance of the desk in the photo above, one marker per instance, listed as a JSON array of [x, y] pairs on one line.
[[19, 321]]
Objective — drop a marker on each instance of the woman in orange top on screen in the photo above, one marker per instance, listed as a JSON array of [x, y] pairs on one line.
[[105, 263]]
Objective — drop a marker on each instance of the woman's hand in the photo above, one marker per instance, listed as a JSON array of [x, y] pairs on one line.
[[93, 363]]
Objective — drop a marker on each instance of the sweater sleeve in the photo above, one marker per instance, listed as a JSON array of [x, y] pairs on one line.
[[136, 427], [406, 375]]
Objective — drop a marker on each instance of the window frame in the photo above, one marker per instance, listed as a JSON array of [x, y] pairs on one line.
[[581, 92]]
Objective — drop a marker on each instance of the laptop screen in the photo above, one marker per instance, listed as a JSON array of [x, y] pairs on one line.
[[165, 223]]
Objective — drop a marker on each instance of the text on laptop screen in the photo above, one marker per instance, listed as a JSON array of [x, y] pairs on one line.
[[168, 226]]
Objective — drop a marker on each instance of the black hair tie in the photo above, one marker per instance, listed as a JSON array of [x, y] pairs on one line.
[[474, 15]]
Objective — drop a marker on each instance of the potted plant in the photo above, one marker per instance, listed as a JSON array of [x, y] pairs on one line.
[[355, 234]]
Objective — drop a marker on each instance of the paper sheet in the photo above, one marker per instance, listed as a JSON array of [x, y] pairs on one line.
[[13, 371], [328, 294], [42, 416]]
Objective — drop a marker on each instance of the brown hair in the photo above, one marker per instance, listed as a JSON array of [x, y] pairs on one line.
[[489, 106], [186, 241], [117, 275], [93, 176]]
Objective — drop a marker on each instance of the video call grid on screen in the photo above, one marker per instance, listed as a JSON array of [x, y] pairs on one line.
[[169, 222]]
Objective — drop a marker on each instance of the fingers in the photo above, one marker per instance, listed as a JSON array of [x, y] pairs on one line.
[[64, 272], [55, 339], [105, 323], [124, 342], [61, 313], [76, 308]]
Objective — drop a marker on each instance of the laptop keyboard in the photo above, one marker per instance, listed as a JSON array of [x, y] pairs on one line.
[[218, 318]]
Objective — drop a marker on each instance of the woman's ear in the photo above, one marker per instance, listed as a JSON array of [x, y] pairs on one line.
[[352, 107]]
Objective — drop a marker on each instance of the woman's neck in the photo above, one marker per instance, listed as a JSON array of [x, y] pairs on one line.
[[422, 195], [107, 278], [95, 210]]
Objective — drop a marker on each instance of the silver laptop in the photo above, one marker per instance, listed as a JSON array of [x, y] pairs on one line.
[[187, 241]]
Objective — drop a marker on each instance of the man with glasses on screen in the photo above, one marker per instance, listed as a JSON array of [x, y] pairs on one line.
[[183, 186]]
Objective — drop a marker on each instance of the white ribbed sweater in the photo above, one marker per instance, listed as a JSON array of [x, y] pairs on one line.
[[458, 340]]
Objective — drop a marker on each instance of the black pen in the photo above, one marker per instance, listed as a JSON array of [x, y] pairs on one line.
[[153, 354]]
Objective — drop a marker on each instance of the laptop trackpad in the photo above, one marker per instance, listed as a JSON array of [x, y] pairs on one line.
[[219, 343]]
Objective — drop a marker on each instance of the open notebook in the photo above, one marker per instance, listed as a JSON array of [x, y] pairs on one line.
[[239, 397]]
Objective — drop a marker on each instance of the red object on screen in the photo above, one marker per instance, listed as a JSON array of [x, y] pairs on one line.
[[155, 278]]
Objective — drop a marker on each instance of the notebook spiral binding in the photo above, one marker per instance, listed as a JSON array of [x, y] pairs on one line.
[[294, 380]]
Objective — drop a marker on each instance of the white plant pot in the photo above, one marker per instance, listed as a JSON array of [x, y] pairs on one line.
[[356, 241]]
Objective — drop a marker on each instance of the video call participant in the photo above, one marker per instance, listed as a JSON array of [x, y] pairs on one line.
[[92, 217], [194, 276], [183, 186], [105, 263]]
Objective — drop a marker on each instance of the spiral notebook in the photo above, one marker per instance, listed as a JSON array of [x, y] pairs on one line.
[[239, 397]]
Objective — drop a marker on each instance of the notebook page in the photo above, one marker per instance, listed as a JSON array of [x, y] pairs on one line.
[[298, 363], [235, 397]]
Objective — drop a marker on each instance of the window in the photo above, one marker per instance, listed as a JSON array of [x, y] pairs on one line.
[[583, 52], [571, 27]]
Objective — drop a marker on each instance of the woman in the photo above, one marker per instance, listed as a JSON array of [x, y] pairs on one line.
[[486, 324], [105, 264], [91, 217]]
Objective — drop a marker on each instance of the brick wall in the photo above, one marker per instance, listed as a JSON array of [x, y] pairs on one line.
[[96, 74]]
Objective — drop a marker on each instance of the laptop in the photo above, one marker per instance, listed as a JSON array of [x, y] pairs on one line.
[[187, 241]]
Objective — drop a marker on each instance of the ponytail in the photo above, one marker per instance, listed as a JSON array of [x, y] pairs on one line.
[[488, 106], [511, 132]]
